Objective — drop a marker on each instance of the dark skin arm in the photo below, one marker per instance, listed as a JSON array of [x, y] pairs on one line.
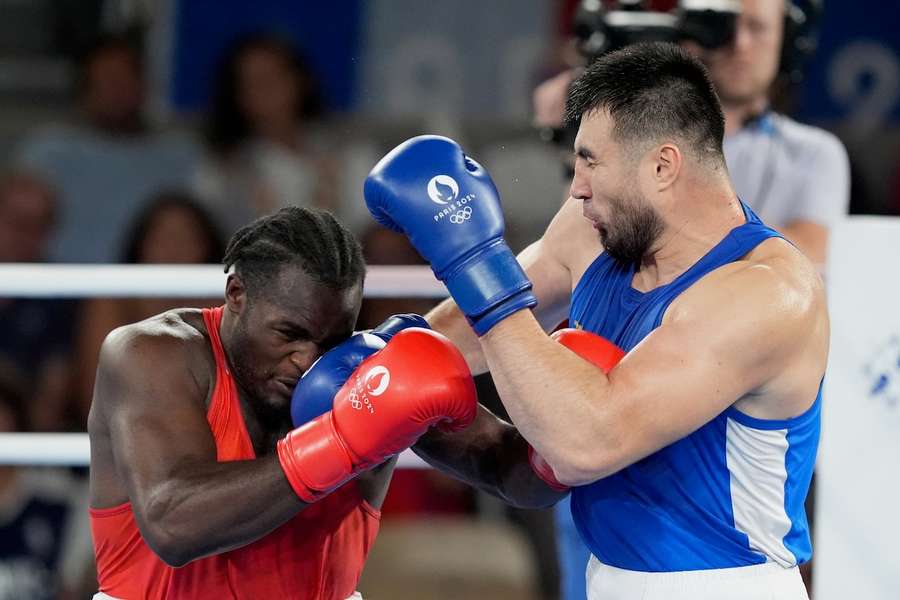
[[492, 456], [186, 504]]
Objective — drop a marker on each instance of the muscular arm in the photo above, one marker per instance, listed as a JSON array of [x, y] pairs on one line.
[[186, 504], [492, 456], [728, 341]]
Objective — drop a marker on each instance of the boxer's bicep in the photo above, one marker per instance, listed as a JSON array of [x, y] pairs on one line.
[[690, 369], [156, 417]]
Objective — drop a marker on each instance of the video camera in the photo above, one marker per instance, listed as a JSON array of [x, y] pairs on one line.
[[601, 26]]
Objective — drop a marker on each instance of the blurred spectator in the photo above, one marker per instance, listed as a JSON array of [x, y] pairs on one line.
[[45, 547], [262, 134], [796, 177], [107, 163], [36, 332], [27, 217], [268, 145], [172, 229]]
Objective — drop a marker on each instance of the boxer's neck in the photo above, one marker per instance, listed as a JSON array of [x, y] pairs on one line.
[[693, 227]]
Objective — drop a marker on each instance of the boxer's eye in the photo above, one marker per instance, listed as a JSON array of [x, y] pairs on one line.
[[292, 334]]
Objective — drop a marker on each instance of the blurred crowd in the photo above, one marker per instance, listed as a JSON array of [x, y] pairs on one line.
[[106, 184]]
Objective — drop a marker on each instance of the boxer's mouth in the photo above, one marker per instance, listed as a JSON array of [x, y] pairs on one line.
[[286, 385]]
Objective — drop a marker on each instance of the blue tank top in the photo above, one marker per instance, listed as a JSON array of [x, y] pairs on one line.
[[731, 493]]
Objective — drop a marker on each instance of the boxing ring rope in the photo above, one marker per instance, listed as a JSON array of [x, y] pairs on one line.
[[25, 280], [158, 281]]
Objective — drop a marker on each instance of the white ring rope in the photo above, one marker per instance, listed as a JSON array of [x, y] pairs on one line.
[[168, 281], [73, 450], [30, 280]]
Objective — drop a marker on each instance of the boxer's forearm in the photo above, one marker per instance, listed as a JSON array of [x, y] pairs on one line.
[[489, 455], [447, 319], [217, 507], [554, 398]]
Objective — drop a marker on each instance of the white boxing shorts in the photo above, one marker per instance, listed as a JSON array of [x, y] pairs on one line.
[[768, 581]]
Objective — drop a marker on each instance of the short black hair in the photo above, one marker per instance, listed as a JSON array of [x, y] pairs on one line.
[[310, 238], [652, 91]]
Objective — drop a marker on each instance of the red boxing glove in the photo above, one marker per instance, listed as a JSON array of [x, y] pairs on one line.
[[596, 350], [543, 470], [599, 352], [418, 380]]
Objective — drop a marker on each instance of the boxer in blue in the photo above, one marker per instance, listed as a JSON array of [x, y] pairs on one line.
[[690, 460]]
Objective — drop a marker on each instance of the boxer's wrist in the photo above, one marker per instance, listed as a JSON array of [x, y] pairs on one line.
[[314, 459], [488, 286]]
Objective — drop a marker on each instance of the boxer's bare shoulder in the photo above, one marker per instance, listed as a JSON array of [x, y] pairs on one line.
[[139, 363], [175, 341], [775, 273], [773, 302]]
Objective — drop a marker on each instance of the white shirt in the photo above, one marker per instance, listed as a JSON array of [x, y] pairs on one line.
[[787, 171]]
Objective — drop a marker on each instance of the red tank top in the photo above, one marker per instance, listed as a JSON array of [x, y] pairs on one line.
[[317, 555]]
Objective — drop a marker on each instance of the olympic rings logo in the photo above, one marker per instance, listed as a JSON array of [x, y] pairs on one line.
[[461, 215], [354, 400]]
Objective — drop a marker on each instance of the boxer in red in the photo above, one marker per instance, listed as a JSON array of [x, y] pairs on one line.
[[202, 486]]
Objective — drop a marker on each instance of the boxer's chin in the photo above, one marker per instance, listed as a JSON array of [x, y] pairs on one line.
[[273, 405], [631, 232]]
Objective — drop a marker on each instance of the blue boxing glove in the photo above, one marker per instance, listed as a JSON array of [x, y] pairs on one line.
[[397, 323], [316, 389], [448, 206]]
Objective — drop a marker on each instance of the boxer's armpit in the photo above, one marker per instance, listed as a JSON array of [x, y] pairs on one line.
[[492, 456]]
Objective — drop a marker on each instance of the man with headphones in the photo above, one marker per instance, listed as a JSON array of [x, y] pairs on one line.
[[794, 176]]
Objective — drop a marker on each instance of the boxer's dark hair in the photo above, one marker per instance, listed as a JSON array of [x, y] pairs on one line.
[[652, 91], [309, 238]]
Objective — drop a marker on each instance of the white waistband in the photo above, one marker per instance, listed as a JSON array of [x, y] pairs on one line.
[[754, 581]]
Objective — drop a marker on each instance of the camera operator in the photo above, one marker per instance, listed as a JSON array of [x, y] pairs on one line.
[[794, 176]]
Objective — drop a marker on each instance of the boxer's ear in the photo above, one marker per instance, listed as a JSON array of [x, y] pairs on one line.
[[235, 293], [668, 161]]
